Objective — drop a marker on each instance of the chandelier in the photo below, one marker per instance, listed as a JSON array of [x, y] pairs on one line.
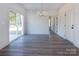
[[42, 11]]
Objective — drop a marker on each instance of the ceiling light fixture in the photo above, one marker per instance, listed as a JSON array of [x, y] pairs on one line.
[[42, 12]]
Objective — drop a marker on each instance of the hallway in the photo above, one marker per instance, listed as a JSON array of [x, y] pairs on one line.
[[40, 45]]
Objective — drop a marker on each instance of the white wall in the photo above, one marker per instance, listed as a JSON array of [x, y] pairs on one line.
[[35, 24], [77, 25], [4, 21], [71, 18]]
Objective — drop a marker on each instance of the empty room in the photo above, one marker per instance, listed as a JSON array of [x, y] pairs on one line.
[[39, 29]]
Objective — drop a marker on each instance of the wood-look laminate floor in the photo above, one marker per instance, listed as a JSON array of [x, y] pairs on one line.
[[40, 45]]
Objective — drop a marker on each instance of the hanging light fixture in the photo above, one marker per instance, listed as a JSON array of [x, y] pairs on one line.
[[42, 12]]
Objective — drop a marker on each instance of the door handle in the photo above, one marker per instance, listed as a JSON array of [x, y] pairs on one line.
[[72, 27]]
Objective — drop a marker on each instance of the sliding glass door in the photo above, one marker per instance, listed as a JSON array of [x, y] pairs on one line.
[[15, 25], [19, 24]]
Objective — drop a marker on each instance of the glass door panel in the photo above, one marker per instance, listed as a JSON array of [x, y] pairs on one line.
[[12, 26]]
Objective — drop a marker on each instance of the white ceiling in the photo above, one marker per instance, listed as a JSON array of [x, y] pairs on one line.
[[51, 8]]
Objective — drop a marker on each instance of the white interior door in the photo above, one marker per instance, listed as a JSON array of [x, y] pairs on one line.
[[63, 27], [70, 25], [56, 24], [72, 14]]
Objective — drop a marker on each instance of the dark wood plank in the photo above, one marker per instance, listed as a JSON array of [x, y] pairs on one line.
[[40, 45]]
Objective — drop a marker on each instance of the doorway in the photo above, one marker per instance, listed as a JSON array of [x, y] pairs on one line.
[[15, 25]]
